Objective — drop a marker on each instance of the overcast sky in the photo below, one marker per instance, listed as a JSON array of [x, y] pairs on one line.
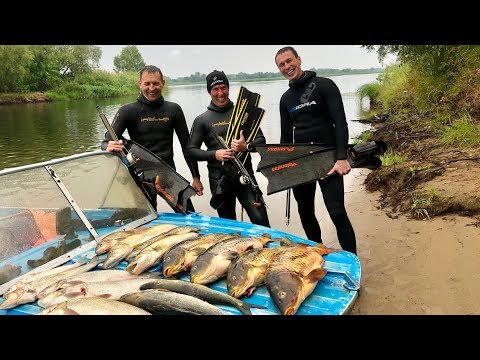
[[184, 60]]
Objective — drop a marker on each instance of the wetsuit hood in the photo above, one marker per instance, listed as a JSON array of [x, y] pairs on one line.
[[302, 81], [216, 108], [141, 98]]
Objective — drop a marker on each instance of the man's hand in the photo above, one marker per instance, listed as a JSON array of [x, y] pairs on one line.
[[197, 185], [115, 146], [342, 167], [224, 154], [239, 145]]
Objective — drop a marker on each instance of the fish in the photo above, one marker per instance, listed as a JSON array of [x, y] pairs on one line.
[[9, 272], [181, 256], [53, 252], [121, 249], [248, 271], [213, 263], [35, 274], [159, 301], [29, 293], [106, 289], [92, 276], [93, 306], [200, 291], [176, 231], [153, 254], [105, 244], [293, 275]]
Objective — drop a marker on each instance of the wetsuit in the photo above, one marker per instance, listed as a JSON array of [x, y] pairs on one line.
[[151, 124], [311, 110], [218, 119]]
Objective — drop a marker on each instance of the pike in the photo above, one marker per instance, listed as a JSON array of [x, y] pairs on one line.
[[200, 291]]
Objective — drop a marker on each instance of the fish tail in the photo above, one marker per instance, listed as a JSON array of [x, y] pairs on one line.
[[246, 308]]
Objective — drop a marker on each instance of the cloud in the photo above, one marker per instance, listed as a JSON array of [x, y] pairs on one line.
[[174, 52]]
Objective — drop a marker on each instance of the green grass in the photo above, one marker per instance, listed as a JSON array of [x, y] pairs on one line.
[[421, 202], [462, 132], [391, 158]]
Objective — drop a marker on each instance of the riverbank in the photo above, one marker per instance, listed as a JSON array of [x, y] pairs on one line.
[[36, 97], [412, 266]]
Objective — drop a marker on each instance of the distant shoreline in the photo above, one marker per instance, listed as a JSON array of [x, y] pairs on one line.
[[39, 97]]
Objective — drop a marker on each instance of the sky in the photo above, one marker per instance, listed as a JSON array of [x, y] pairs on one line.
[[183, 60]]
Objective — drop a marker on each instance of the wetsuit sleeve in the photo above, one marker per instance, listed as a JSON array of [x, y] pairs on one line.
[[181, 129], [286, 125], [197, 137], [119, 125], [334, 102]]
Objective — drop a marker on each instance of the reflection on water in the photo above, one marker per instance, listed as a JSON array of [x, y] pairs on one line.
[[31, 133]]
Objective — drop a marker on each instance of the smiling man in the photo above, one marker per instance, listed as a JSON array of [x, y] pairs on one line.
[[311, 110], [151, 122], [224, 180]]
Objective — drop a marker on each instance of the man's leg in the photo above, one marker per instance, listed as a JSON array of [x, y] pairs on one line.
[[334, 198], [305, 197]]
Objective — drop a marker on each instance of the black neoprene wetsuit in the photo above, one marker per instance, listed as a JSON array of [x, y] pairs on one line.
[[151, 124], [311, 110], [218, 119]]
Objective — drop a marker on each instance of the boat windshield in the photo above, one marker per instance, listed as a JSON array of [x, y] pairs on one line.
[[51, 211]]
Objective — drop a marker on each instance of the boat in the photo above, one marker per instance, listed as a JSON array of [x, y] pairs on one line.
[[54, 213]]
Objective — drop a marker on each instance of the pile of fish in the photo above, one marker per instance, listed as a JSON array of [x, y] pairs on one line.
[[290, 272]]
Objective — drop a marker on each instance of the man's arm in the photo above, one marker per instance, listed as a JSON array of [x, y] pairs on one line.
[[119, 125], [197, 137], [182, 132], [286, 125], [333, 99]]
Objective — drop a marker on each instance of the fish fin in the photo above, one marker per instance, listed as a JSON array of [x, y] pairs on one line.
[[230, 255], [68, 311], [316, 275], [105, 296], [198, 251], [76, 294], [245, 308], [71, 283], [325, 250], [152, 274]]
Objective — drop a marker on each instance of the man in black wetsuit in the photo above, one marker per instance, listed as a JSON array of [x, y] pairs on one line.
[[320, 118], [150, 122], [223, 184]]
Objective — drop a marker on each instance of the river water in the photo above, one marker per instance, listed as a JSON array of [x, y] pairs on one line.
[[31, 133]]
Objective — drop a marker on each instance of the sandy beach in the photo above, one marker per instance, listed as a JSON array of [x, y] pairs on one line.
[[409, 266]]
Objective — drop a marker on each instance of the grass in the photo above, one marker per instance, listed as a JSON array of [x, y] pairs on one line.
[[462, 132], [421, 203], [391, 158]]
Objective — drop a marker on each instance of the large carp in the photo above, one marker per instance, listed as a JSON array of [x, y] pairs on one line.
[[213, 263], [293, 275], [181, 256]]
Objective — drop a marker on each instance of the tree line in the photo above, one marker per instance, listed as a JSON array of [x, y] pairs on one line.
[[72, 71]]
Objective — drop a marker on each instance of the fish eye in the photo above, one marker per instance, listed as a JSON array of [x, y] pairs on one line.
[[234, 277], [282, 294], [168, 258]]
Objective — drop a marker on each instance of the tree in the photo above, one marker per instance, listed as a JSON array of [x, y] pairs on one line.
[[129, 59], [77, 59], [14, 70]]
